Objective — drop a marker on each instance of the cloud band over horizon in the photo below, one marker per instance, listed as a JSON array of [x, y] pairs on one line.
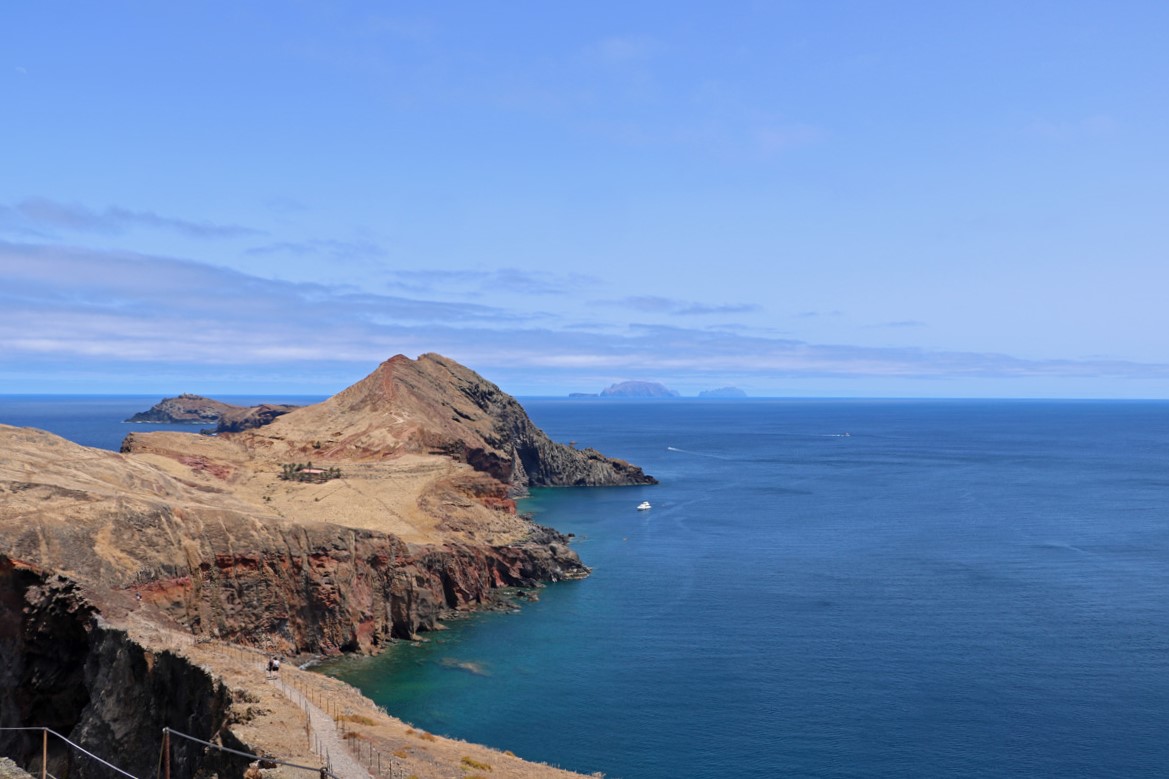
[[89, 308]]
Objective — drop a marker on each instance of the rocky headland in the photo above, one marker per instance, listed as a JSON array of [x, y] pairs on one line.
[[120, 573], [188, 409]]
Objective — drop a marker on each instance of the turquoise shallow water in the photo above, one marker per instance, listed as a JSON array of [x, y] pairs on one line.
[[957, 588]]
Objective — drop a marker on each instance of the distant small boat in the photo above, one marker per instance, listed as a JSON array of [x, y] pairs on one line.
[[644, 506]]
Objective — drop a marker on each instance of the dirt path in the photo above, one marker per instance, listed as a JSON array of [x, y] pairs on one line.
[[330, 744], [271, 716]]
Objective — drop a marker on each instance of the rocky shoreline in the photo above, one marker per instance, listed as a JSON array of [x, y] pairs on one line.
[[110, 562]]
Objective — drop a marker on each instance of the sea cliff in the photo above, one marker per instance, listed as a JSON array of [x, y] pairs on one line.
[[201, 537]]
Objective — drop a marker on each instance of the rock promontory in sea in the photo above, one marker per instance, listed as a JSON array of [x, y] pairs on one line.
[[723, 392], [132, 583], [189, 409], [638, 389]]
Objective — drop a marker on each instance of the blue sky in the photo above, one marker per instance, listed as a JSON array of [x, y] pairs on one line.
[[795, 198]]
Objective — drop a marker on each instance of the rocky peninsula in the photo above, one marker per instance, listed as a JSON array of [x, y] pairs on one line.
[[188, 409], [143, 589]]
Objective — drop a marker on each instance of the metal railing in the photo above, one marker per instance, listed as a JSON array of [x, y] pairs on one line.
[[164, 757], [46, 732]]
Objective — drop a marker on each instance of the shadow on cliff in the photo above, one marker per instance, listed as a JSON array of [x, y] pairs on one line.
[[64, 669]]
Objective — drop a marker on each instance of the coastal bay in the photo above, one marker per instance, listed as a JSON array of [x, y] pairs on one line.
[[954, 587], [960, 588], [177, 540]]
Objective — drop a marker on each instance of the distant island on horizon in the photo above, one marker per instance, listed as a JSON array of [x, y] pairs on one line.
[[654, 390], [723, 392]]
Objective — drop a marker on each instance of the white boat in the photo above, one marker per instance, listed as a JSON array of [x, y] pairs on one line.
[[644, 506]]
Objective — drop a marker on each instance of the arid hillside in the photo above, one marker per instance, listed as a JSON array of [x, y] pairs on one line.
[[335, 527]]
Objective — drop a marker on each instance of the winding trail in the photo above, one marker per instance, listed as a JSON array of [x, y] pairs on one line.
[[341, 761]]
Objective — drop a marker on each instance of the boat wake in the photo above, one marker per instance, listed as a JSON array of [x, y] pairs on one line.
[[696, 454]]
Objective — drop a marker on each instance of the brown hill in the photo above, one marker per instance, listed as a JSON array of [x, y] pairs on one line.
[[434, 405]]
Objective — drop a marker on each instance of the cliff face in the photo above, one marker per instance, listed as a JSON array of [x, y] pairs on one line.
[[419, 520], [62, 667], [334, 591], [218, 565]]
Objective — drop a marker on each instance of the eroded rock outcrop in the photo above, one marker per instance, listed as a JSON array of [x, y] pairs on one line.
[[63, 667], [237, 419], [189, 409]]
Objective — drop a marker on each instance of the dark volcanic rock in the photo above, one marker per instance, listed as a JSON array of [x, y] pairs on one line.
[[186, 409], [189, 409], [335, 591], [63, 667], [238, 419]]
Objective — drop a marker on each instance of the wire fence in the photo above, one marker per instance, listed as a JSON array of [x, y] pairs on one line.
[[338, 726], [329, 725], [369, 758], [46, 732], [164, 762]]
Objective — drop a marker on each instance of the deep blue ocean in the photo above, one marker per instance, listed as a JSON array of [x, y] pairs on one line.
[[952, 589]]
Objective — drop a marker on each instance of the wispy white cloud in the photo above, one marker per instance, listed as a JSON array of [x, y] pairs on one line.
[[652, 304], [45, 213], [85, 309], [322, 247], [138, 307], [487, 281]]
